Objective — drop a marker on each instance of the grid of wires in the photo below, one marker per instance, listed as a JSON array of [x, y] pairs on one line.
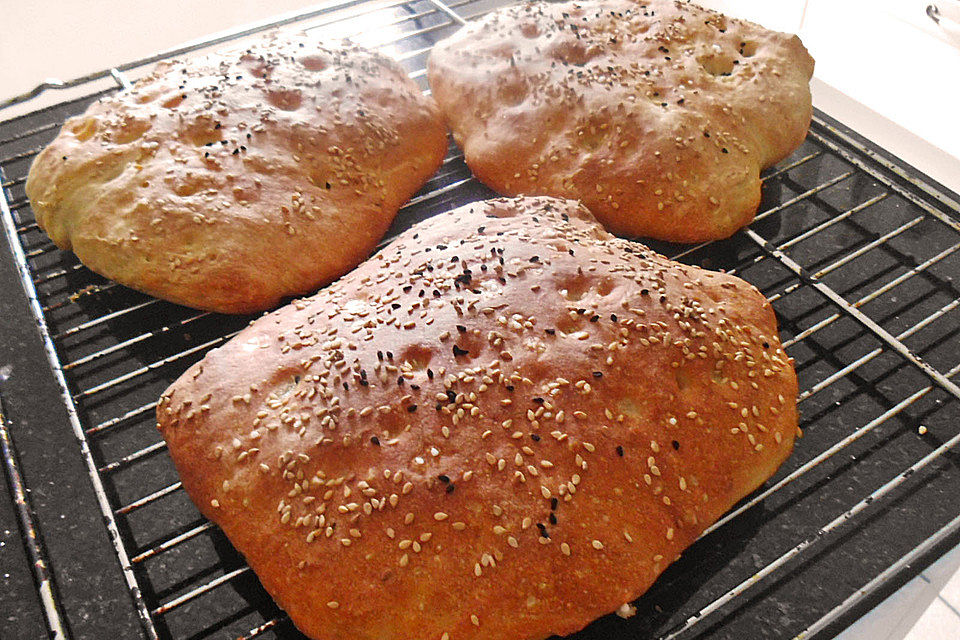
[[856, 253]]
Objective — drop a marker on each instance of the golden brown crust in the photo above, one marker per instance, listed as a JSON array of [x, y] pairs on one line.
[[503, 425], [657, 115], [230, 181]]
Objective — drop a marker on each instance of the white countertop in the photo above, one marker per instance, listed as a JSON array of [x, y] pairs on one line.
[[883, 68]]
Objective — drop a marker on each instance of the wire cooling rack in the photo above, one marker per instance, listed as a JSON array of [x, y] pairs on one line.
[[857, 252]]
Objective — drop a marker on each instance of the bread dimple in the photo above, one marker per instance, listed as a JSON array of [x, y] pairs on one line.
[[232, 180], [657, 115], [503, 425]]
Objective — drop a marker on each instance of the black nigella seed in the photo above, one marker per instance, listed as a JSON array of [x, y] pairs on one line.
[[430, 373], [675, 445], [412, 408], [445, 479], [535, 259], [461, 328], [551, 331], [554, 502], [619, 451], [450, 488], [613, 317], [598, 374], [594, 318], [553, 518], [457, 351], [535, 437], [375, 440]]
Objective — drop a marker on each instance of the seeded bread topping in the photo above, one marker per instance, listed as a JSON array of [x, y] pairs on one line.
[[657, 115], [230, 181], [503, 425]]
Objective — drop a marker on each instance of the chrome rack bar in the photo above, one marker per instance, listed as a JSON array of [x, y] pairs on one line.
[[817, 229], [112, 422], [190, 595], [135, 340], [858, 315], [447, 10], [824, 455], [133, 457], [910, 559], [56, 624], [834, 524], [86, 393], [768, 212], [172, 542], [867, 357], [170, 53], [890, 166], [103, 501], [156, 495]]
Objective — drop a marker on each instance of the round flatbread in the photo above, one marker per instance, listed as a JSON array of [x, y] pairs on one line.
[[658, 116], [230, 181]]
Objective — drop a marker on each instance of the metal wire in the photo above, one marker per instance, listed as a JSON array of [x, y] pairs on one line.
[[45, 281], [56, 624]]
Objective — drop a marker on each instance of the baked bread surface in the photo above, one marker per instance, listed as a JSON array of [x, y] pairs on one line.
[[229, 181], [657, 115], [503, 425]]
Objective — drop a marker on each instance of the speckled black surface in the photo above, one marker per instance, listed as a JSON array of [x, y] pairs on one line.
[[90, 583], [87, 574]]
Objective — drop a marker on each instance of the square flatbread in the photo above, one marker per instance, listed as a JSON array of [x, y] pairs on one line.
[[658, 116], [230, 181], [503, 425]]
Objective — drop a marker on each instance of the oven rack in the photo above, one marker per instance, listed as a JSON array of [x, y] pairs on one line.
[[857, 252]]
